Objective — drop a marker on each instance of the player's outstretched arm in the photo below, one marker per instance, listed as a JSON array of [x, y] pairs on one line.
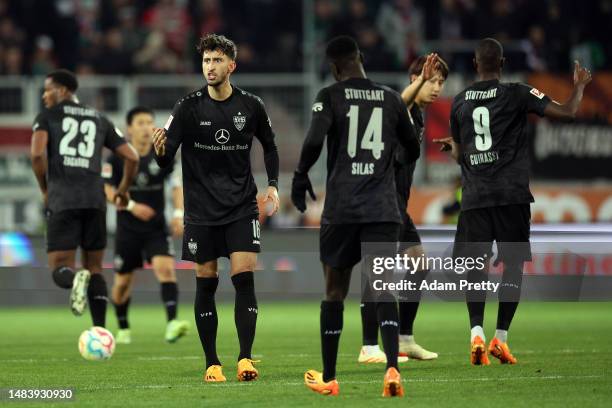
[[38, 150], [567, 110], [447, 144], [411, 91], [311, 150], [130, 167]]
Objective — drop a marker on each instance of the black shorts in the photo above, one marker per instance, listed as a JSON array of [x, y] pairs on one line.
[[508, 225], [409, 236], [203, 243], [131, 250], [69, 229], [340, 244]]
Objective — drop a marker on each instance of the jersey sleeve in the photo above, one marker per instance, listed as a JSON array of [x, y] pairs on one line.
[[113, 137], [175, 126], [265, 135], [321, 121], [454, 123], [111, 170], [532, 99], [407, 136], [41, 122]]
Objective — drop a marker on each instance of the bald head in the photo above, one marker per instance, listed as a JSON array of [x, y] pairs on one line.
[[489, 56]]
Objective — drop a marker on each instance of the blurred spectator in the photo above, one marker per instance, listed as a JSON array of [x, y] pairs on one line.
[[535, 49], [158, 36], [42, 60], [401, 25], [13, 61], [114, 58], [170, 17]]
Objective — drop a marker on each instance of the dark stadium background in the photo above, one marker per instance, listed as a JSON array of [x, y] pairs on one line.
[[129, 53]]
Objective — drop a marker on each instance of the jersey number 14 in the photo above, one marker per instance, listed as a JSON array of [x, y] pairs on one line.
[[372, 137]]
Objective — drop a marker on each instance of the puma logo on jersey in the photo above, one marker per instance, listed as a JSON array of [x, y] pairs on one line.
[[362, 169], [536, 92]]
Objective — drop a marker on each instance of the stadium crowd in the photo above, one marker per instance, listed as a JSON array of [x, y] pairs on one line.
[[157, 36]]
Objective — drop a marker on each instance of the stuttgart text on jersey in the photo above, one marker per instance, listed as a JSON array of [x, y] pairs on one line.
[[482, 128], [360, 168], [71, 127]]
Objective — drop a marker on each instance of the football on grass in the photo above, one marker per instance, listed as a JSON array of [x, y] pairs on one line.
[[96, 344]]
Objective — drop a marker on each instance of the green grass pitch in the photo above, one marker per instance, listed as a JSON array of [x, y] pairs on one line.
[[563, 350]]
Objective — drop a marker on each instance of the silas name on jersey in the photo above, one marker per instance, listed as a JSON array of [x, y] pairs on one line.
[[362, 169]]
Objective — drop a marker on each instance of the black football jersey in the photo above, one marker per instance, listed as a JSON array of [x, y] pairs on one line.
[[404, 169], [489, 120], [76, 135], [364, 122], [148, 188], [215, 139]]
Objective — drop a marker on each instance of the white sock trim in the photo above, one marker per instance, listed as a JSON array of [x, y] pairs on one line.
[[477, 331], [502, 335]]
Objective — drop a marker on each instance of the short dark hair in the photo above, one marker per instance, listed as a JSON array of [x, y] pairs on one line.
[[216, 42], [65, 78], [135, 111], [341, 48], [417, 66], [489, 54]]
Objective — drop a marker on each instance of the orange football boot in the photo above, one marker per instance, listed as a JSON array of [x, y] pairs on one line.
[[393, 384], [501, 351], [478, 354]]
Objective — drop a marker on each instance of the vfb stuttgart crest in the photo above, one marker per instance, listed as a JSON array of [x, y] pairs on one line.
[[193, 247], [239, 121]]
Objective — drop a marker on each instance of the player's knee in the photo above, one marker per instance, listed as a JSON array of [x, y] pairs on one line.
[[206, 270], [63, 277], [335, 294], [166, 274]]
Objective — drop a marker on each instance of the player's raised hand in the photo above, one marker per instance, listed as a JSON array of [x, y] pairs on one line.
[[429, 67], [299, 186], [582, 76], [159, 141], [272, 197]]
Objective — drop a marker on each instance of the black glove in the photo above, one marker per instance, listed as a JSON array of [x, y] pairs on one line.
[[299, 186]]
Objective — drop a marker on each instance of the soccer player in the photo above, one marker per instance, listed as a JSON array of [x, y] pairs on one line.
[[427, 76], [489, 141], [364, 122], [142, 233], [215, 126], [66, 150]]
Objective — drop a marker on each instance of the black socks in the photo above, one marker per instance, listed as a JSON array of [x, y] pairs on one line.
[[331, 328], [245, 311], [97, 297], [121, 311], [206, 317], [169, 295], [369, 324]]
